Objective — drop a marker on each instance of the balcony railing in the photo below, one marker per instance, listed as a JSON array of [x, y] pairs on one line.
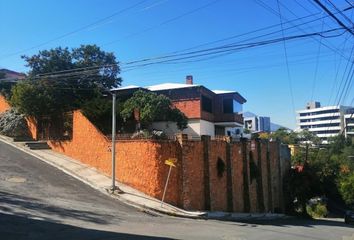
[[228, 117]]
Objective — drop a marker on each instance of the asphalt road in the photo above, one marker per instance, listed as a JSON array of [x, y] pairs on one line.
[[37, 201]]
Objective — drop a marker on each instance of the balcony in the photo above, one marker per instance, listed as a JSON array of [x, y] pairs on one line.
[[229, 117]]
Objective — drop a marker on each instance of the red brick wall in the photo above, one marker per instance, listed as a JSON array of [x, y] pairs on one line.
[[274, 165], [139, 163], [3, 104], [217, 183], [253, 184], [237, 177], [32, 127], [265, 176], [192, 176], [191, 108]]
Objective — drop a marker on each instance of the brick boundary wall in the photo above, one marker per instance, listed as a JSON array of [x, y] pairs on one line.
[[4, 106], [217, 175]]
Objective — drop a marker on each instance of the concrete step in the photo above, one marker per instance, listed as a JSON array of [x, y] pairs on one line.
[[36, 145]]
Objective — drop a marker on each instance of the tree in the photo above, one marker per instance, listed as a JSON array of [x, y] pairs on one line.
[[2, 74], [308, 137], [5, 86], [303, 184], [34, 100], [82, 74], [153, 107], [346, 188], [282, 135]]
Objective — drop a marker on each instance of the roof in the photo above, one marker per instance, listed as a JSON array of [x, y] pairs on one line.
[[124, 88], [7, 71], [222, 91], [168, 86]]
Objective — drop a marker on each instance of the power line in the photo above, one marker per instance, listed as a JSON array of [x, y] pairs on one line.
[[340, 61], [342, 14], [234, 36], [165, 22], [75, 31], [200, 53], [286, 61], [264, 5], [333, 16], [316, 67]]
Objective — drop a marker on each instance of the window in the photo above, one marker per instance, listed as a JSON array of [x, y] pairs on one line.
[[227, 105], [207, 104], [231, 106], [237, 106]]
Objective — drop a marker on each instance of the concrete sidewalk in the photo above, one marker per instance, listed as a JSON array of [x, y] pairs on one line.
[[130, 195]]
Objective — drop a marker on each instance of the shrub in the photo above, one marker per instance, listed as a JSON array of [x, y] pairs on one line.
[[317, 210]]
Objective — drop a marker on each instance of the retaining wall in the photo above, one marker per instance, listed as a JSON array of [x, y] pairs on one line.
[[217, 175]]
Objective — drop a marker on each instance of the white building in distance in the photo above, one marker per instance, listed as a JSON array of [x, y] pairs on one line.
[[325, 122]]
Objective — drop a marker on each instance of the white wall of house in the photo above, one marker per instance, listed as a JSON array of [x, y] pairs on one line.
[[195, 127], [207, 128]]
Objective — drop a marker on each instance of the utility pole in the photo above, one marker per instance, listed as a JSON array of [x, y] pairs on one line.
[[333, 16], [114, 97]]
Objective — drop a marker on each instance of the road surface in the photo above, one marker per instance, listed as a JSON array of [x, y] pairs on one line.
[[37, 201]]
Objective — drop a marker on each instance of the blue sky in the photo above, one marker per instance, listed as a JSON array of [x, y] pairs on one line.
[[157, 27]]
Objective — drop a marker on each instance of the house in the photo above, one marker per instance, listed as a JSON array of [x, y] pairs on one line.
[[209, 112], [10, 76]]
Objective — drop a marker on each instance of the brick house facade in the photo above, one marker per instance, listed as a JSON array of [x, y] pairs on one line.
[[209, 112]]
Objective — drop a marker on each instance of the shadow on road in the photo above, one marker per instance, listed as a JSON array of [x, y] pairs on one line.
[[299, 222], [18, 227], [32, 207]]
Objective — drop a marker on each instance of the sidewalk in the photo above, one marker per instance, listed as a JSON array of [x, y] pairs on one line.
[[130, 195]]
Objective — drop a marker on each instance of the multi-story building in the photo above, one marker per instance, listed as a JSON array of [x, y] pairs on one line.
[[324, 122], [256, 123], [349, 123], [209, 112]]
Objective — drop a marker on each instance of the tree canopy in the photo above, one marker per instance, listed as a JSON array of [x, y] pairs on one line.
[[2, 74], [61, 79], [331, 167], [153, 107]]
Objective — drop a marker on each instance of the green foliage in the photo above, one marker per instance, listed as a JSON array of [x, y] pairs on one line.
[[333, 167], [318, 210], [338, 144], [5, 88], [2, 75], [99, 111], [33, 100], [246, 131], [290, 137], [57, 93], [303, 184], [346, 188], [153, 107]]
